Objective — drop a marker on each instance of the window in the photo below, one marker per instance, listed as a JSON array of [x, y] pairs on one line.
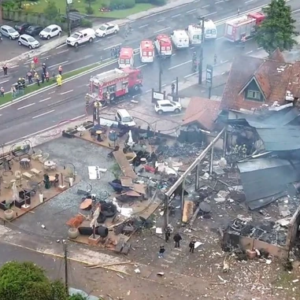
[[253, 95], [127, 61], [150, 53]]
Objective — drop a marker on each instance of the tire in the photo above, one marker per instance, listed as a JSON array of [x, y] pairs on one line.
[[19, 43], [160, 112], [116, 31], [85, 231], [177, 111], [91, 40], [76, 45], [30, 47], [48, 37], [10, 37], [102, 231], [136, 88], [103, 35]]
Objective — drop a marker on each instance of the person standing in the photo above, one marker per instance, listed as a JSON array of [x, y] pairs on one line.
[[44, 69], [43, 77], [5, 68], [192, 246], [167, 233], [161, 251], [60, 70], [37, 79], [47, 76], [29, 77], [2, 92], [177, 238]]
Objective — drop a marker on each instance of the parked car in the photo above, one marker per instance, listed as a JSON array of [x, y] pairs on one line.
[[28, 41], [107, 29], [22, 27], [124, 118], [34, 30], [162, 106], [9, 32], [80, 37], [50, 32]]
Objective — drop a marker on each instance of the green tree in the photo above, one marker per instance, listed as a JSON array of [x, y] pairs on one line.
[[51, 11], [278, 29], [27, 281]]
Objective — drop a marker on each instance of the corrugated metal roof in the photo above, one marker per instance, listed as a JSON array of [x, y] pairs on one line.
[[281, 138], [266, 179]]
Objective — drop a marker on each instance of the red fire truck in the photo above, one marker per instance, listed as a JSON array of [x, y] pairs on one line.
[[243, 27], [108, 86]]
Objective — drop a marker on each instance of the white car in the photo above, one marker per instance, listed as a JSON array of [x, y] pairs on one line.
[[162, 106], [9, 32], [80, 37], [50, 32], [107, 29], [28, 41], [124, 118]]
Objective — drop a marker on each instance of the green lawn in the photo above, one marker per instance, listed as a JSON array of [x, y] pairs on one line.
[[81, 5], [32, 88]]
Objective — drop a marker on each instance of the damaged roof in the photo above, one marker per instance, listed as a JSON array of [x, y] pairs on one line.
[[202, 111], [265, 180]]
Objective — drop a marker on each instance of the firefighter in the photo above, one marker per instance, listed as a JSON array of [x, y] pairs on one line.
[[60, 70], [59, 80], [44, 69], [173, 88], [47, 76]]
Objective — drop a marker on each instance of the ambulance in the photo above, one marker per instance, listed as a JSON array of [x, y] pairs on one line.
[[126, 58], [194, 33], [163, 45], [147, 51], [180, 39], [210, 29]]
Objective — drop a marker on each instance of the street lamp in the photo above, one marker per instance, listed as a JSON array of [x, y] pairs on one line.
[[201, 51], [68, 3]]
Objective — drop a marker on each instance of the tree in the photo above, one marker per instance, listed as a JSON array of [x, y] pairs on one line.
[[51, 11], [278, 29], [27, 281]]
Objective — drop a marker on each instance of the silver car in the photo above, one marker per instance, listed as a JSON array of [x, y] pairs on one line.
[[28, 41], [9, 32]]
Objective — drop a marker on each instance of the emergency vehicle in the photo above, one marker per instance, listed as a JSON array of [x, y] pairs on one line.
[[126, 58], [194, 33], [108, 86], [163, 45], [210, 30], [243, 27], [147, 51], [180, 39]]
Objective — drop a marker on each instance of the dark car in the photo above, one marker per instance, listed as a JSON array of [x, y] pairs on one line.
[[34, 30], [22, 27]]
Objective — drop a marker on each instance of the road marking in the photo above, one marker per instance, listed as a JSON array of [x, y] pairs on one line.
[[249, 1], [66, 92], [190, 75], [60, 52], [160, 30], [46, 113], [144, 26], [205, 6], [4, 81], [64, 62], [141, 66], [190, 11], [249, 52], [87, 56], [63, 45], [148, 91], [162, 20], [45, 99], [26, 106], [97, 41], [184, 63], [210, 14], [14, 66], [178, 15], [259, 48], [51, 93], [112, 46], [219, 2]]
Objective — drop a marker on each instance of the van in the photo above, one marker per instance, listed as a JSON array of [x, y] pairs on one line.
[[80, 37], [124, 118], [180, 39]]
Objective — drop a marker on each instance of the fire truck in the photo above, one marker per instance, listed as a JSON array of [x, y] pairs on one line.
[[163, 45], [243, 27], [108, 86]]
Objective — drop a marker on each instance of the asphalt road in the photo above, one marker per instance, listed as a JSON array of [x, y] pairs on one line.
[[51, 107]]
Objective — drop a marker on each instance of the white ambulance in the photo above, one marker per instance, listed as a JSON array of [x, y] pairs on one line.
[[147, 51], [180, 39], [126, 58], [210, 29], [163, 45], [194, 33]]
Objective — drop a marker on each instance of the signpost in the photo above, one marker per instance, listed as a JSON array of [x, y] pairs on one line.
[[209, 78]]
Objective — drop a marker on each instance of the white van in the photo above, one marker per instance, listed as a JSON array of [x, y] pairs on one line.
[[210, 30], [124, 118], [194, 33], [80, 37], [180, 39]]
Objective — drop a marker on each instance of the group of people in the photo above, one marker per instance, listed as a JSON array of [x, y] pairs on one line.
[[177, 239], [115, 52]]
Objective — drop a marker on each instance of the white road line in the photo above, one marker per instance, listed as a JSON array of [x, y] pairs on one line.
[[148, 91], [64, 62], [87, 56], [249, 52], [28, 105], [51, 93], [3, 81], [178, 15], [60, 52], [112, 46], [190, 75], [15, 66], [219, 2], [60, 46], [160, 30], [184, 63], [145, 25], [205, 6], [210, 14], [66, 92], [46, 113], [45, 99], [162, 20], [249, 1], [98, 41], [141, 66], [190, 11]]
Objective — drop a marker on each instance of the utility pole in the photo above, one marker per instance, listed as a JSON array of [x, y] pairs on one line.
[[201, 52], [68, 2], [66, 267], [166, 212], [177, 89], [160, 69]]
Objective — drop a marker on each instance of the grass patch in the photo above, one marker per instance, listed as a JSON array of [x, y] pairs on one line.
[[81, 5], [32, 88]]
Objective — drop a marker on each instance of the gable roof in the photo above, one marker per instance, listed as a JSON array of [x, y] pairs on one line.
[[272, 77], [278, 56], [203, 111]]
